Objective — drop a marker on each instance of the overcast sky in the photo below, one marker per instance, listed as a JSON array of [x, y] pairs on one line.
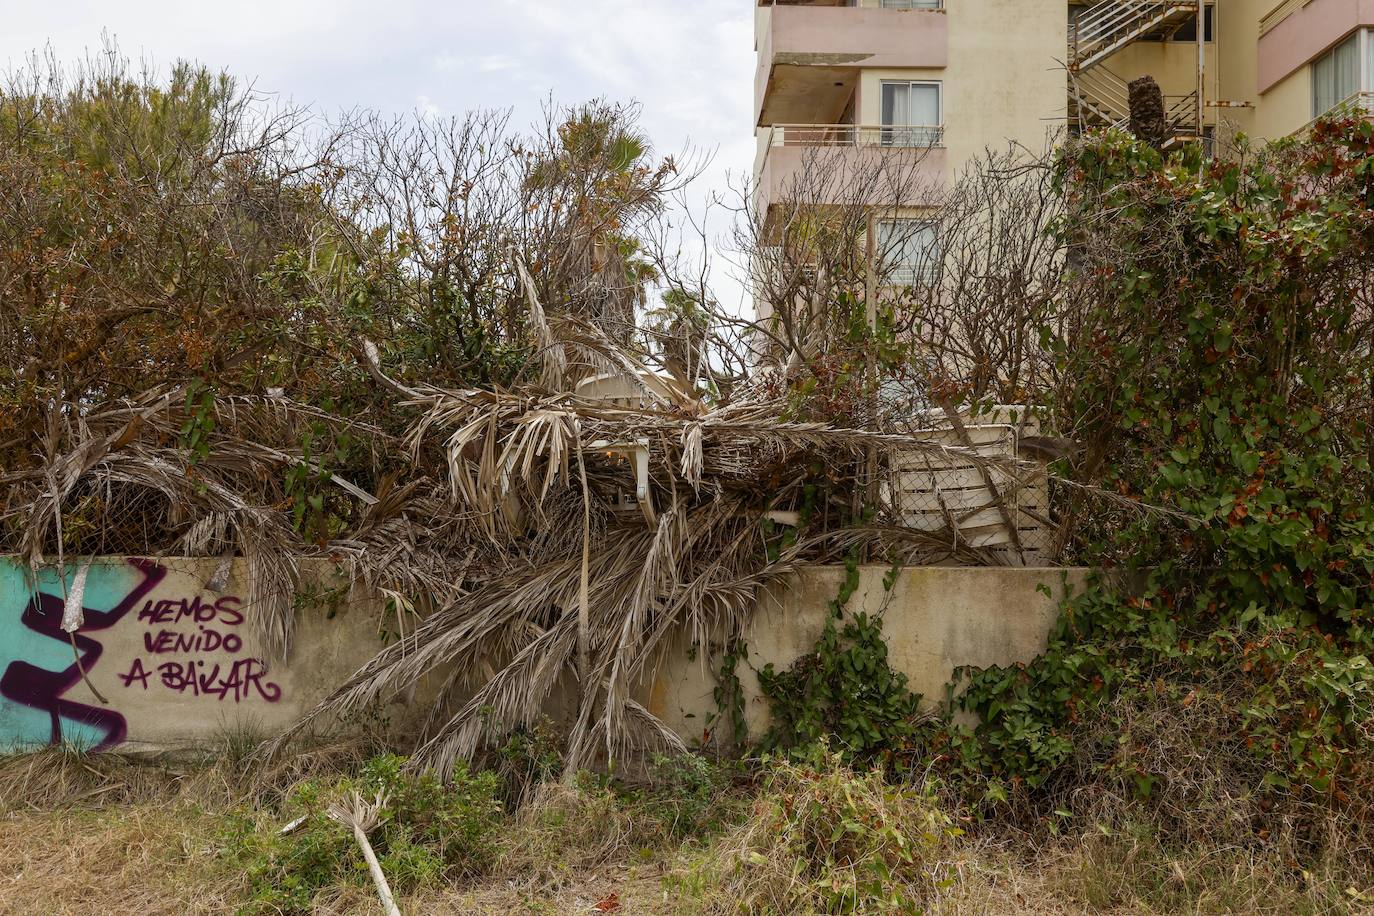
[[689, 62]]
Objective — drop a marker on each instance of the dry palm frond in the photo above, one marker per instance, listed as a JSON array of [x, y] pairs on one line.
[[360, 817], [554, 360], [488, 536], [528, 538]]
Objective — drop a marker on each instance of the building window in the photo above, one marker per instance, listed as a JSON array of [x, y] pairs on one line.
[[911, 114], [911, 4], [907, 251], [1336, 75]]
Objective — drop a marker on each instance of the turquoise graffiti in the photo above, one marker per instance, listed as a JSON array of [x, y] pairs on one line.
[[38, 660]]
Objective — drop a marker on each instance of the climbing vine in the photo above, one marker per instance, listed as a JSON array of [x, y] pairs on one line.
[[845, 690], [1222, 367], [728, 693]]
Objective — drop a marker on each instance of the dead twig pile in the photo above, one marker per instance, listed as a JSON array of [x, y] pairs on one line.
[[419, 349]]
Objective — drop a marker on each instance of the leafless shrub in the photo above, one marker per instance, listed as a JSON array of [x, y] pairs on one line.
[[997, 282], [806, 240]]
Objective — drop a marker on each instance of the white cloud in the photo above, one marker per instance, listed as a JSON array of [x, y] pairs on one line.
[[426, 107], [492, 63]]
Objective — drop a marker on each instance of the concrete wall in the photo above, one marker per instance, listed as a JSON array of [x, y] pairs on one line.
[[1004, 81], [1285, 107], [1236, 69], [1173, 64], [935, 620], [180, 667], [178, 664]]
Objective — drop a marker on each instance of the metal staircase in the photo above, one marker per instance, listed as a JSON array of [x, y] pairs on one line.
[[1097, 96], [1108, 26]]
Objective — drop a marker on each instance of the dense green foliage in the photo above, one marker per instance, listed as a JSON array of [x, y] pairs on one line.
[[1224, 369]]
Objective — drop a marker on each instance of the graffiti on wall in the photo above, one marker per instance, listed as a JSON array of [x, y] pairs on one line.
[[147, 639], [191, 629]]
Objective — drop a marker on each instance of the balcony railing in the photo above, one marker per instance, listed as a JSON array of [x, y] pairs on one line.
[[913, 136], [1279, 13], [1359, 104]]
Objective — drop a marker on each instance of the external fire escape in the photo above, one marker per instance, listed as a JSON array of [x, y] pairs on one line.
[[1099, 97]]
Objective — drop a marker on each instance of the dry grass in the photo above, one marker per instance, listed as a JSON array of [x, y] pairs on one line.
[[95, 833], [827, 839], [157, 859], [1133, 872], [98, 833], [636, 890], [63, 777], [1204, 838], [567, 832], [142, 858]]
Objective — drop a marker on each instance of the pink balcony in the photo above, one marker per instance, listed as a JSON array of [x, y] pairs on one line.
[[1293, 34], [841, 164], [809, 56]]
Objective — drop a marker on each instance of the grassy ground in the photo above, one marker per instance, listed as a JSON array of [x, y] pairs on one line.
[[86, 834]]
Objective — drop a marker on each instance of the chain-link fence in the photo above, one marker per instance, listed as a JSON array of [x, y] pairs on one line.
[[99, 518]]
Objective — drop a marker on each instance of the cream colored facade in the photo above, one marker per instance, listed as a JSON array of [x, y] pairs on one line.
[[822, 68], [1001, 69]]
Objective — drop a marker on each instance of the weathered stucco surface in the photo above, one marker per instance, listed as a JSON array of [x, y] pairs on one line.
[[177, 663], [935, 620], [180, 667]]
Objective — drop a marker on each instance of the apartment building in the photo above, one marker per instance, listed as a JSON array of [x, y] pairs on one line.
[[1265, 68], [947, 78], [886, 76], [920, 86]]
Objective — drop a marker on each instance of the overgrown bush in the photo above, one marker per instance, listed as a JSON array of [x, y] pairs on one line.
[[1223, 370], [690, 795], [429, 831], [825, 838], [528, 758]]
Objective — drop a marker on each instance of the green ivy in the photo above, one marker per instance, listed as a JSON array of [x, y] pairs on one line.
[[844, 691], [200, 421], [1225, 371], [728, 693]]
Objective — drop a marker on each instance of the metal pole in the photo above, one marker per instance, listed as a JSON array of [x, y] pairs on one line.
[[871, 313], [871, 283], [1201, 65]]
